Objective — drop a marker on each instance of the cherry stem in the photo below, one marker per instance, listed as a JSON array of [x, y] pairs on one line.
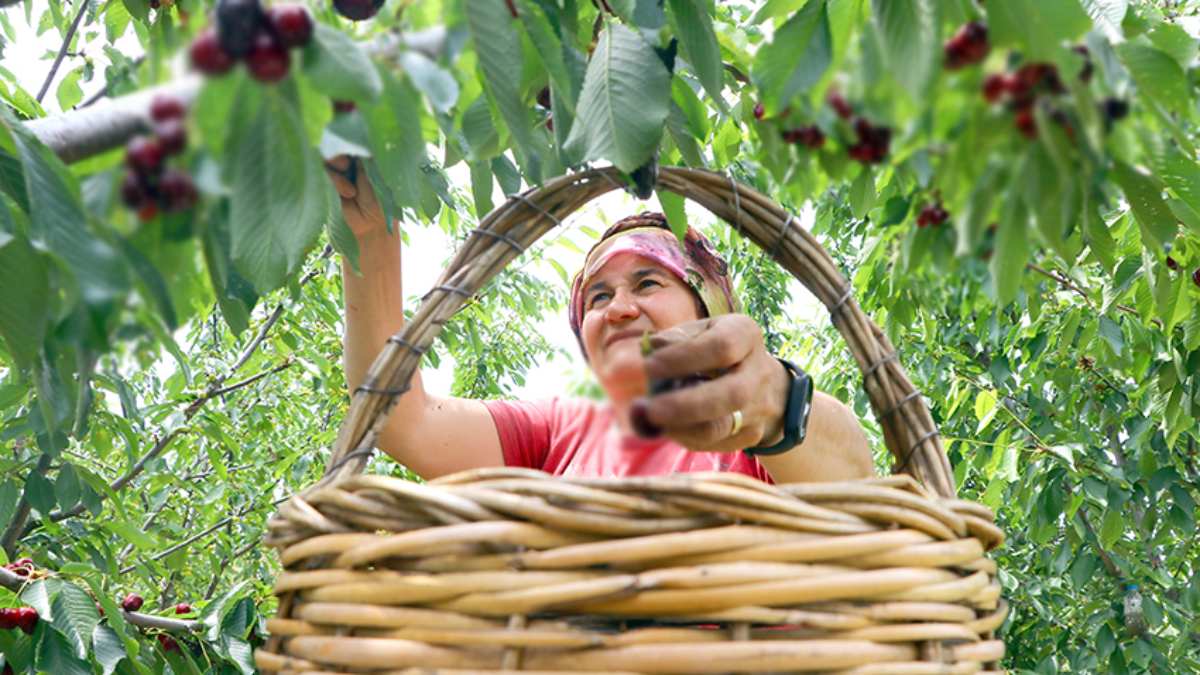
[[512, 8]]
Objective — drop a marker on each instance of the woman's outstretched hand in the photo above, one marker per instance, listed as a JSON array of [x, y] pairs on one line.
[[359, 206], [745, 377]]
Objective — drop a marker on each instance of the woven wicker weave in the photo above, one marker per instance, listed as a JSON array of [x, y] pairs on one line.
[[504, 569]]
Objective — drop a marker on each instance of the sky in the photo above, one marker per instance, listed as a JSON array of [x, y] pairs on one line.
[[27, 59]]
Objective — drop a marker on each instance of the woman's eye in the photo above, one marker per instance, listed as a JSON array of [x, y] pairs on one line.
[[643, 283], [597, 297]]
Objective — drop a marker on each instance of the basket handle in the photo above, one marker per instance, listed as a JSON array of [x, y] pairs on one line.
[[908, 429]]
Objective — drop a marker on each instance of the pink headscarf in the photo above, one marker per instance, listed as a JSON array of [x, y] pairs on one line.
[[696, 263]]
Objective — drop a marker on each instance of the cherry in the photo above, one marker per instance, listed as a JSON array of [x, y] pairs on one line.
[[543, 97], [995, 86], [873, 142], [165, 107], [144, 154], [172, 137], [759, 111], [292, 24], [27, 619], [238, 24], [208, 56], [357, 10], [1196, 276], [132, 602], [1033, 77], [1026, 123], [840, 105], [343, 106], [20, 571], [268, 61], [167, 642], [183, 608], [969, 45], [932, 214], [1172, 264], [1114, 109], [809, 136], [8, 618], [133, 192], [176, 191]]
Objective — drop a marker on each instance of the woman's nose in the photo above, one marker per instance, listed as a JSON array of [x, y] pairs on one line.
[[623, 306]]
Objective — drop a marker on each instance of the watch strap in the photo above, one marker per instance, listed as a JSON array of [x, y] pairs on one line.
[[795, 416]]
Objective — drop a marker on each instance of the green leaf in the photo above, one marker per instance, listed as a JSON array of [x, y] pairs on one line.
[[673, 208], [1112, 527], [862, 193], [438, 85], [75, 616], [131, 534], [39, 493], [338, 231], [9, 494], [279, 191], [796, 58], [1172, 39], [556, 56], [107, 649], [1111, 332], [1083, 568], [908, 31], [694, 28], [1038, 27], [235, 295], [1181, 174], [625, 101], [58, 223], [677, 127], [972, 222], [986, 407], [338, 67], [498, 46], [1144, 194], [1107, 14], [55, 654], [1157, 75], [151, 281], [66, 487], [68, 92], [23, 315], [394, 127], [1012, 251], [693, 109]]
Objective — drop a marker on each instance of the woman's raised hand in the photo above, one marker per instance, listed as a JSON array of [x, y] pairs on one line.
[[744, 378], [359, 205]]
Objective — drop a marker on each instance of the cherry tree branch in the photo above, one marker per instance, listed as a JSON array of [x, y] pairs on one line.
[[1069, 285], [16, 583], [62, 51], [1109, 565], [87, 131]]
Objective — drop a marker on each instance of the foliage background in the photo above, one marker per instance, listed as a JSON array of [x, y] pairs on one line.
[[163, 385]]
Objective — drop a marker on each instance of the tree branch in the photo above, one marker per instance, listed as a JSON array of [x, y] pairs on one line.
[[1113, 570], [1070, 286], [15, 583], [16, 527], [88, 131], [62, 51]]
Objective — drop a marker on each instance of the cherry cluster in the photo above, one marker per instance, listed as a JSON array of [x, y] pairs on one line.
[[261, 38], [1023, 88], [966, 47], [22, 568], [810, 136], [25, 618], [148, 186], [932, 214], [1173, 265], [873, 141]]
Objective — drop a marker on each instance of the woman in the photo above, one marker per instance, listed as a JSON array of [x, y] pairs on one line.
[[637, 280]]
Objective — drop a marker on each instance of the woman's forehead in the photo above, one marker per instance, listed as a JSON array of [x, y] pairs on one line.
[[625, 264]]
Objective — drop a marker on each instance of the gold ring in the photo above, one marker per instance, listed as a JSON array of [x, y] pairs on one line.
[[737, 423]]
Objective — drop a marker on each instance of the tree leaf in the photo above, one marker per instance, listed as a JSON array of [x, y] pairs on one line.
[[908, 30], [1157, 75], [394, 127], [1181, 174], [862, 193], [1144, 193], [23, 315], [796, 58], [498, 46], [39, 493], [68, 92], [1012, 250], [1038, 27], [75, 616], [694, 28], [673, 208], [625, 101], [279, 192], [66, 487], [438, 85], [55, 654], [107, 649], [553, 53], [337, 66]]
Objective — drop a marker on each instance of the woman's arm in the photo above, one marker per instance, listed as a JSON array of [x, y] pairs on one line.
[[432, 435]]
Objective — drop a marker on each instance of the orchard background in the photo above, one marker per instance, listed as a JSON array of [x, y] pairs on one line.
[[1011, 185]]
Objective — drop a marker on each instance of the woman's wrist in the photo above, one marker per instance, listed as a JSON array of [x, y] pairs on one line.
[[780, 385]]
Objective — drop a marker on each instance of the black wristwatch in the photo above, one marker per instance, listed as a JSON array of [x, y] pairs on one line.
[[795, 416]]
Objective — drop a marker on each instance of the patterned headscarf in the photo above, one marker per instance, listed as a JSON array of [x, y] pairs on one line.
[[647, 234]]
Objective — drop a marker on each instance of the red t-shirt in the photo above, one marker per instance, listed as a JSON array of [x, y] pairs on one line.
[[578, 437]]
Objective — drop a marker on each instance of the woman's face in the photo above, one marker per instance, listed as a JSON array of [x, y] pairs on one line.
[[626, 297]]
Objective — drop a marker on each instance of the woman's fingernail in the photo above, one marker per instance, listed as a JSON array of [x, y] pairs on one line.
[[638, 418]]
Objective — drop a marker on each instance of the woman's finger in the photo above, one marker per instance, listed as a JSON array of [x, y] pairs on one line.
[[704, 402], [707, 346], [715, 436], [343, 171]]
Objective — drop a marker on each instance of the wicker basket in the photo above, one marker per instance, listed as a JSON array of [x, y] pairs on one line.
[[498, 570]]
